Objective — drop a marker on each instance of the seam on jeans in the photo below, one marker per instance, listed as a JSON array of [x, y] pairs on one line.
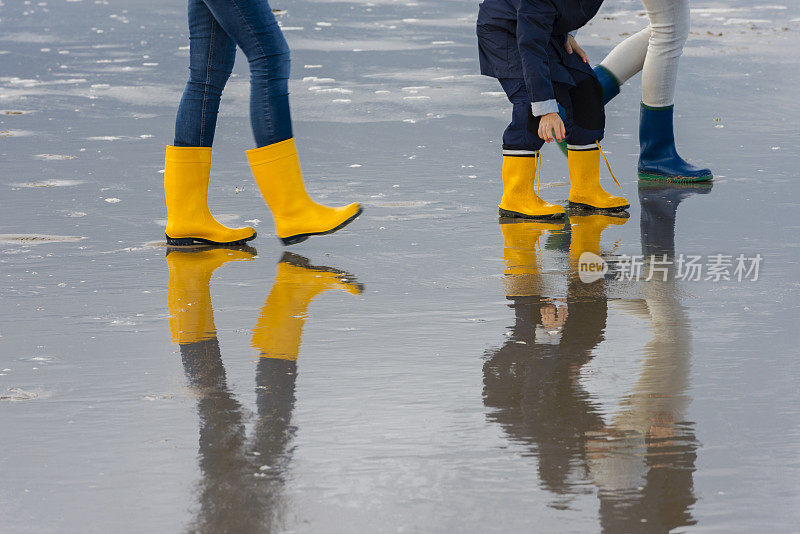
[[208, 81], [268, 113]]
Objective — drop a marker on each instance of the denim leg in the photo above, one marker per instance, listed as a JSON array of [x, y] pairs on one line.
[[211, 56], [522, 133], [252, 25]]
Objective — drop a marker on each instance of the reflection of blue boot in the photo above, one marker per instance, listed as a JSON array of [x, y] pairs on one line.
[[658, 158], [609, 83], [659, 203]]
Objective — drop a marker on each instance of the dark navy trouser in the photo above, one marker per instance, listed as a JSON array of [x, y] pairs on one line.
[[216, 27], [584, 118]]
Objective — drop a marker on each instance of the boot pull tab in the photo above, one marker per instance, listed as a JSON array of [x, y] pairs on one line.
[[607, 164]]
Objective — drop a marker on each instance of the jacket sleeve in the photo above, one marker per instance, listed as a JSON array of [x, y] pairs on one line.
[[535, 20]]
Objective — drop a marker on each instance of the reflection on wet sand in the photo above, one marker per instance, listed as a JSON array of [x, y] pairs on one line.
[[531, 382], [243, 478], [641, 458], [644, 459]]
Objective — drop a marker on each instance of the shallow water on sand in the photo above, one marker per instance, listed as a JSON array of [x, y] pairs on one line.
[[427, 369]]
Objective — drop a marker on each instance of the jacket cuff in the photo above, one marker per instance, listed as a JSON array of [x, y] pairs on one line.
[[573, 33], [544, 107]]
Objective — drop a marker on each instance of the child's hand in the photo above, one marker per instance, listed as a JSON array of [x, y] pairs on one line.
[[572, 46], [549, 125]]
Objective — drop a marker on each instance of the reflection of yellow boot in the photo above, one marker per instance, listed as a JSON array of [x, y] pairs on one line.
[[189, 293], [520, 241], [520, 193], [280, 326], [277, 172], [189, 221], [585, 190], [586, 233]]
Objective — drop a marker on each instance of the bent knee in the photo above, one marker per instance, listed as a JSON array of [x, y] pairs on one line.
[[674, 30], [272, 66], [272, 51], [214, 78], [586, 100]]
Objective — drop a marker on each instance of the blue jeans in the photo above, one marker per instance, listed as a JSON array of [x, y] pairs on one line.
[[216, 27]]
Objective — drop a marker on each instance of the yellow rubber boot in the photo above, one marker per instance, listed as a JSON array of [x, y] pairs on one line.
[[189, 221], [587, 231], [191, 316], [585, 191], [520, 244], [520, 198], [276, 169], [279, 329]]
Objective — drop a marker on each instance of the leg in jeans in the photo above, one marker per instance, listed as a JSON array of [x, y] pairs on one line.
[[252, 26], [275, 165], [187, 166], [211, 56]]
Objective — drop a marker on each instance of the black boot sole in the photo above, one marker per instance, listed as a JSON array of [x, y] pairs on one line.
[[194, 241], [517, 215], [299, 238], [586, 207]]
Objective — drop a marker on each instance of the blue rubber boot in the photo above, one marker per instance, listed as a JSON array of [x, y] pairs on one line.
[[608, 82], [658, 158]]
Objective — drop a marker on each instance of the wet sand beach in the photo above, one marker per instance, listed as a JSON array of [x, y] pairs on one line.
[[429, 368]]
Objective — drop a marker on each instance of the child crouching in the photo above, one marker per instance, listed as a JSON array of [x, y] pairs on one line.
[[523, 43]]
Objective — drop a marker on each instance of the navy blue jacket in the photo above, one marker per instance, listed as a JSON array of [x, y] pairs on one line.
[[526, 38]]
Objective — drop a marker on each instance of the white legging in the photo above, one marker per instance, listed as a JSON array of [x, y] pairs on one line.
[[655, 51]]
